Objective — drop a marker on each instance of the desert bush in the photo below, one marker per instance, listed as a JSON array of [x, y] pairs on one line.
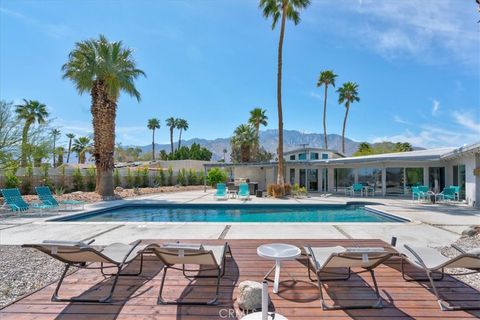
[[11, 179], [27, 180], [137, 179], [276, 190], [129, 182], [77, 180], [90, 179], [216, 175], [117, 181], [145, 177], [192, 177], [287, 189], [182, 177], [170, 176]]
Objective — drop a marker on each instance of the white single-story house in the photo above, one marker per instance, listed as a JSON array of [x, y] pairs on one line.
[[322, 170]]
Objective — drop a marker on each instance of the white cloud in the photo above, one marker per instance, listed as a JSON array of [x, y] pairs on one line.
[[315, 95], [398, 119], [435, 107], [467, 121], [52, 30]]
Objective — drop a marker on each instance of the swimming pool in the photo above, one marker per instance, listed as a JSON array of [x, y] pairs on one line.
[[234, 213]]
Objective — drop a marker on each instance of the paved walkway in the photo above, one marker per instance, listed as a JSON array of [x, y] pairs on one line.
[[434, 225]]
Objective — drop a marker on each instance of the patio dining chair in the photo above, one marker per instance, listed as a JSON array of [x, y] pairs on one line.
[[81, 255], [323, 260], [416, 193], [447, 193], [433, 262], [211, 256]]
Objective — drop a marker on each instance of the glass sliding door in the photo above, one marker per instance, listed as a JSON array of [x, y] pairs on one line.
[[395, 181], [436, 178], [312, 179], [324, 180], [414, 178], [459, 179], [292, 176], [371, 177], [344, 177], [302, 178]]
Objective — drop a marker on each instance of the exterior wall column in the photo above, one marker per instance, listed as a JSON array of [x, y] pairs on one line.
[[355, 175], [330, 179], [477, 181], [425, 176], [384, 181]]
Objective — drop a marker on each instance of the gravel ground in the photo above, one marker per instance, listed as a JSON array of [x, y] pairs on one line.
[[24, 270]]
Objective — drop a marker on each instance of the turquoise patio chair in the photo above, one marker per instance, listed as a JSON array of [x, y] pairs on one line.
[[356, 187], [456, 190], [243, 191], [423, 189], [222, 192], [417, 193], [15, 202], [46, 196], [448, 193]]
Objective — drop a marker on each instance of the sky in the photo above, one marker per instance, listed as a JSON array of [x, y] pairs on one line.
[[416, 62]]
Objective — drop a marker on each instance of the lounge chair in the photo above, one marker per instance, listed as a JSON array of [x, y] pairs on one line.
[[14, 201], [433, 262], [172, 254], [80, 254], [447, 193], [243, 191], [420, 195], [323, 259], [222, 192], [46, 196]]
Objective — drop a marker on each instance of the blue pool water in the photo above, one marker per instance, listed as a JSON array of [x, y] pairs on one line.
[[236, 213]]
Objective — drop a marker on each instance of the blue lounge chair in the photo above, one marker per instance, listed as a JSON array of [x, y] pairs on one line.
[[243, 191], [420, 195], [46, 196], [222, 192], [14, 201], [447, 194]]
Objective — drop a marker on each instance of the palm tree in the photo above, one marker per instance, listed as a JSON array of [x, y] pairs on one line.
[[55, 134], [60, 151], [244, 139], [81, 146], [347, 93], [70, 137], [224, 155], [30, 111], [104, 69], [326, 78], [257, 118], [181, 124], [172, 124], [285, 9], [152, 125]]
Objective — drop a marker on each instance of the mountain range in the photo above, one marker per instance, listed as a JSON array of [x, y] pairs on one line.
[[292, 139]]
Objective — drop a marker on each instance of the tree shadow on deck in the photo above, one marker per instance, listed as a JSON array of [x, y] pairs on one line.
[[451, 290], [127, 288], [203, 289]]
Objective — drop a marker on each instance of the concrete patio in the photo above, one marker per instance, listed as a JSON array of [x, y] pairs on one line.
[[431, 224]]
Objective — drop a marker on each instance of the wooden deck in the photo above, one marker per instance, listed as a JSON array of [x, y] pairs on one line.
[[136, 297]]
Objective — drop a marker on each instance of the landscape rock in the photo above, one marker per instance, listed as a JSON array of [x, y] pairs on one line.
[[250, 295]]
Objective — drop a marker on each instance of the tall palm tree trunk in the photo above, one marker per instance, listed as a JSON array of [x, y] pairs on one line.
[[153, 144], [171, 138], [325, 119], [69, 150], [26, 127], [104, 113], [54, 161], [180, 139], [280, 179], [256, 144], [347, 107]]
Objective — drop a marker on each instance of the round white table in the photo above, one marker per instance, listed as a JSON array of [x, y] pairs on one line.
[[258, 316], [278, 252]]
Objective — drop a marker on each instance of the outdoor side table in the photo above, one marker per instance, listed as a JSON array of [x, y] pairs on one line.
[[278, 252]]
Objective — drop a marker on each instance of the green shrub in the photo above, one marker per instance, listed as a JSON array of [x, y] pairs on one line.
[[170, 176], [129, 182], [200, 177], [182, 177], [27, 180], [137, 179], [77, 180], [192, 177], [162, 177], [145, 178], [45, 178], [216, 175], [90, 177], [117, 181], [11, 179]]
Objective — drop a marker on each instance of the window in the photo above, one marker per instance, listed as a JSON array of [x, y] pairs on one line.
[[292, 176], [324, 155], [436, 178], [414, 177], [302, 156], [302, 177], [459, 179], [313, 155], [371, 177], [312, 179], [395, 180], [344, 177], [292, 157]]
